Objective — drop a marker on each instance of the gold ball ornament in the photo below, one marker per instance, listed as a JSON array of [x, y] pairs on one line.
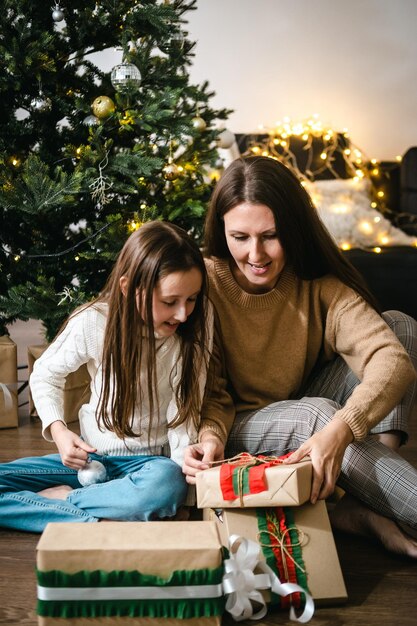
[[198, 123], [103, 106], [171, 171]]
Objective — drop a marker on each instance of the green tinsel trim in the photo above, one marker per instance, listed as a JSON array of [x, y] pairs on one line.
[[99, 578], [179, 609]]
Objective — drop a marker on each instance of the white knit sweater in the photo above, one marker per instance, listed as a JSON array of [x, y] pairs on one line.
[[82, 342]]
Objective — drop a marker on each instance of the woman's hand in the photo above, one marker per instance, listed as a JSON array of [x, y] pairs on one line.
[[198, 456], [326, 449], [73, 450]]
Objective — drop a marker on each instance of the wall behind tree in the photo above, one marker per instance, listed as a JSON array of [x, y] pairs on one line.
[[353, 62]]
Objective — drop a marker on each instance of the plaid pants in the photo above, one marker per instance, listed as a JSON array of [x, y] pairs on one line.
[[372, 472]]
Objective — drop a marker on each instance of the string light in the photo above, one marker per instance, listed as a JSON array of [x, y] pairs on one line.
[[324, 145]]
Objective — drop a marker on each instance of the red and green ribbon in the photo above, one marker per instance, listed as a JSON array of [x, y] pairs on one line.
[[246, 475], [281, 546]]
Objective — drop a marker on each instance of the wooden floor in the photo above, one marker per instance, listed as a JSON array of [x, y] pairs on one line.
[[382, 588]]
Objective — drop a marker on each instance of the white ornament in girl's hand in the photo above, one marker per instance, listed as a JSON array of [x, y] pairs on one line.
[[94, 472]]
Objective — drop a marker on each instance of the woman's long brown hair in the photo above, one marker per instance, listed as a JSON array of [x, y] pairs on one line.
[[309, 247], [151, 253]]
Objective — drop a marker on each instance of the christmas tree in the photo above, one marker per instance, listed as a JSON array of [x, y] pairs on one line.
[[87, 155]]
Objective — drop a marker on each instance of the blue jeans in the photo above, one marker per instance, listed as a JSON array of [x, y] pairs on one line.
[[139, 488]]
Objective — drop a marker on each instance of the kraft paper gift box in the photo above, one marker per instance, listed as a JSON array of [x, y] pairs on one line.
[[130, 574], [283, 485], [8, 383], [77, 387], [319, 555]]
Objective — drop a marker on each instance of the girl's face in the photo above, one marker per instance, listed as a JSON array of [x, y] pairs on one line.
[[253, 242], [174, 299]]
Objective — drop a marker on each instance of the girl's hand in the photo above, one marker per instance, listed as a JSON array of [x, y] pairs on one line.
[[73, 450], [198, 456], [326, 449]]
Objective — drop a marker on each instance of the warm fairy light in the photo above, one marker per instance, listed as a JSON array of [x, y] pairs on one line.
[[340, 209], [365, 227], [323, 146], [214, 175], [17, 257], [77, 258], [377, 249], [133, 225]]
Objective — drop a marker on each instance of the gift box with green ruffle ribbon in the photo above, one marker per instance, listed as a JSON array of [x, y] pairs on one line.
[[130, 573]]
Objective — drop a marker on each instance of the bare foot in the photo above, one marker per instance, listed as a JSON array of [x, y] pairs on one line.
[[351, 516], [59, 492]]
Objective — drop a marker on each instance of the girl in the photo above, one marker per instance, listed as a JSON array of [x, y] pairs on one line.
[[305, 363], [145, 341]]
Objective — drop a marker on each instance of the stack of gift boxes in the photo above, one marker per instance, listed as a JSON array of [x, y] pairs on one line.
[[8, 383], [267, 502], [76, 392], [261, 546]]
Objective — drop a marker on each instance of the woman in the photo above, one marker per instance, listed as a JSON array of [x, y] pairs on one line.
[[304, 362]]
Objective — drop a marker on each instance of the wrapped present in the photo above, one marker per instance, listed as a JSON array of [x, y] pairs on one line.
[[248, 481], [130, 574], [8, 383], [77, 387], [296, 542]]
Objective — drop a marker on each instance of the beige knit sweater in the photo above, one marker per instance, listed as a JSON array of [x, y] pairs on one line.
[[267, 345]]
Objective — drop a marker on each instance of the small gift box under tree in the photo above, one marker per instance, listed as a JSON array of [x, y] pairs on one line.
[[8, 383], [76, 391]]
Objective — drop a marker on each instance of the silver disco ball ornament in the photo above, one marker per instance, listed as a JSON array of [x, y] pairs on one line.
[[91, 120], [41, 104], [125, 77]]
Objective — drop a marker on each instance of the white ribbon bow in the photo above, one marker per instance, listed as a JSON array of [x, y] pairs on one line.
[[242, 585], [7, 397]]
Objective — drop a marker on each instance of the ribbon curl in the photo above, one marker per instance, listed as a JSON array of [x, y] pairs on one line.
[[7, 396], [241, 585]]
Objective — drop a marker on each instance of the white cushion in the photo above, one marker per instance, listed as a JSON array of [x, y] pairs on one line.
[[345, 208]]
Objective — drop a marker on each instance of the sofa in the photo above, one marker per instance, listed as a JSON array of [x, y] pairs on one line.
[[391, 274]]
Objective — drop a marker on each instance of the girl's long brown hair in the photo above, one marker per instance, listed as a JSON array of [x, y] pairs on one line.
[[309, 247], [150, 253]]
